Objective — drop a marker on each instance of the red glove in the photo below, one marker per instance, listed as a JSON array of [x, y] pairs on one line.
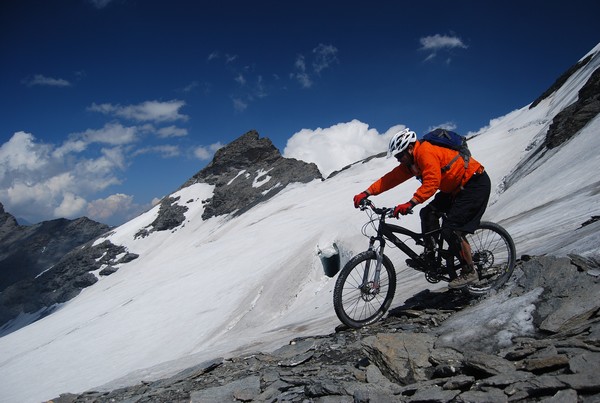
[[359, 198], [404, 209]]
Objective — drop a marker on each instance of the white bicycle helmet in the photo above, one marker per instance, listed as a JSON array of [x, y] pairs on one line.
[[400, 141]]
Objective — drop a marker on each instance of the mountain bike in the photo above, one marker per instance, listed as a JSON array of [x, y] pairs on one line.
[[366, 285]]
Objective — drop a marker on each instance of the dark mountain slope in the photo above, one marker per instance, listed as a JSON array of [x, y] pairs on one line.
[[249, 171], [26, 251]]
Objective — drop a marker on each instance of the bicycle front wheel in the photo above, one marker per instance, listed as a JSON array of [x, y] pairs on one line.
[[494, 257], [359, 299]]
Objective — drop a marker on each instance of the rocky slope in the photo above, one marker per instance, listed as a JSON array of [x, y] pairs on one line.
[[26, 251], [411, 356], [34, 298], [565, 125]]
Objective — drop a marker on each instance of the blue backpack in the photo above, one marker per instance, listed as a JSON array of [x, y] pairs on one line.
[[448, 139]]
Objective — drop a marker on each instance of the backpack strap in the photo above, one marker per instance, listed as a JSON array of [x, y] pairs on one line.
[[446, 167]]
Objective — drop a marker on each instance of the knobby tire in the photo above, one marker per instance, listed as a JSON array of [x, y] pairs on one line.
[[494, 256], [357, 304]]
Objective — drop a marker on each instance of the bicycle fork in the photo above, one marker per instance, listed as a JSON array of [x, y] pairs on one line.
[[372, 287]]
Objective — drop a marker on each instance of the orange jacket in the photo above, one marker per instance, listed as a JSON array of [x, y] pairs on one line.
[[429, 160]]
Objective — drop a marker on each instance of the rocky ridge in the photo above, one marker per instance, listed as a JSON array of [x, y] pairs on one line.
[[560, 81], [407, 356], [26, 251], [564, 125], [45, 264], [574, 117], [248, 171], [40, 296]]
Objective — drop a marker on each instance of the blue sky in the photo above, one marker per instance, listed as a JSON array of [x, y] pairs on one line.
[[107, 105]]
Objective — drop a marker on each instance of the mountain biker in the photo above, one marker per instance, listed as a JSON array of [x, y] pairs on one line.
[[463, 195]]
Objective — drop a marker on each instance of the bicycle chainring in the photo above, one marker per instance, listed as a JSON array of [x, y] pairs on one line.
[[432, 277]]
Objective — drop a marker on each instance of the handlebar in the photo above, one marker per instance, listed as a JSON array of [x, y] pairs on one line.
[[386, 211], [366, 204]]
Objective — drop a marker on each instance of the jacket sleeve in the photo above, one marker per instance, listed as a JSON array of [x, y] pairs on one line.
[[392, 179]]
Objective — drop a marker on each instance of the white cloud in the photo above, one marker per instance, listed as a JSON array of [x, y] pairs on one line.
[[212, 56], [335, 147], [239, 104], [22, 191], [325, 56], [21, 153], [42, 80], [54, 196], [240, 79], [436, 43], [230, 58], [149, 111], [115, 157], [166, 151], [250, 86], [41, 181], [111, 133], [172, 131], [446, 125], [300, 73], [205, 153], [259, 89], [38, 180], [71, 206], [71, 146], [101, 209], [191, 86]]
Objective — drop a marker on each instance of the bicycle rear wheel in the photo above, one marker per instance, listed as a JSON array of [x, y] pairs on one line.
[[360, 301], [494, 256]]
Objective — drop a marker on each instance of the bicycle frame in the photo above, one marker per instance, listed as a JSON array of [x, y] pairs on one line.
[[389, 231], [386, 231]]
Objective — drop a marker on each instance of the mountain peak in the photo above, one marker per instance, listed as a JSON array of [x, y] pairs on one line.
[[247, 171], [241, 153]]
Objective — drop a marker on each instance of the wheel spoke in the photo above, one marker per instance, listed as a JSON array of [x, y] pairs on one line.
[[493, 255], [359, 303]]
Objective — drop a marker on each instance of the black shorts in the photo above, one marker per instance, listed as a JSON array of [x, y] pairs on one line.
[[465, 209]]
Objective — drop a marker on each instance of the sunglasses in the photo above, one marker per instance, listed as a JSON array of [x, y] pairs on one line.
[[400, 155]]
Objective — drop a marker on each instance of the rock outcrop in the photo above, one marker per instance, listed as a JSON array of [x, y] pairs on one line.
[[560, 81], [574, 117], [407, 357], [248, 171], [170, 216], [26, 251], [565, 125], [40, 296]]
